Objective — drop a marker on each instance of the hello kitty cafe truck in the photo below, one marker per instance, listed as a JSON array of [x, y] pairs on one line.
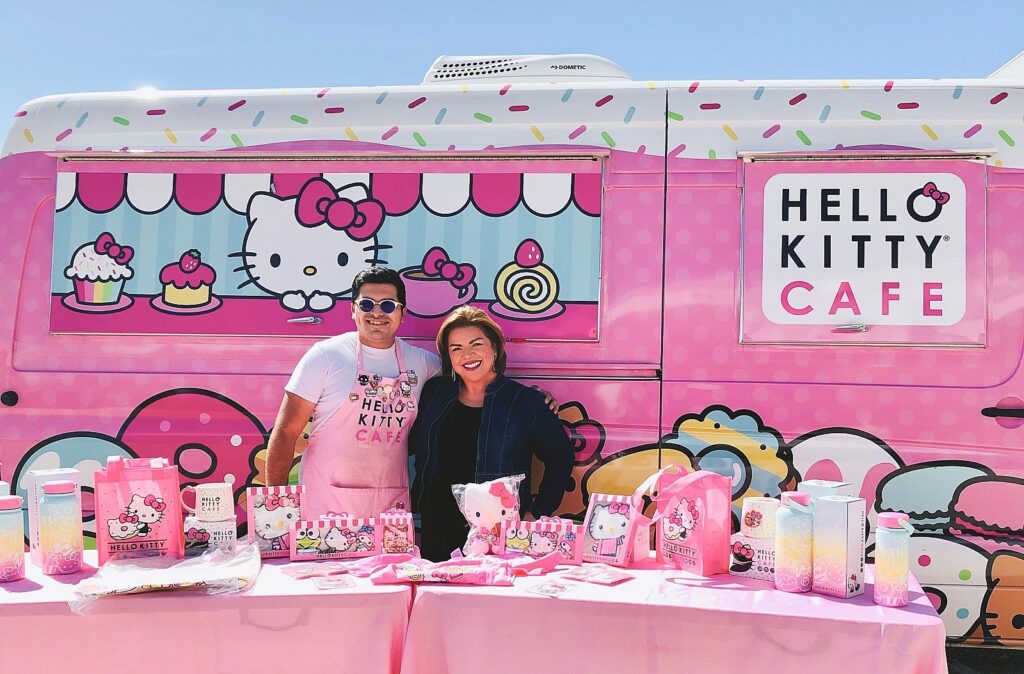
[[774, 280]]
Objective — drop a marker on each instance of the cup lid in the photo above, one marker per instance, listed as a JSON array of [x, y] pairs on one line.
[[801, 497], [10, 503], [59, 487], [892, 520]]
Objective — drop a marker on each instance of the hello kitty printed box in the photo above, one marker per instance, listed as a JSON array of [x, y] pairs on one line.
[[336, 538], [546, 535], [398, 532], [610, 532], [138, 509], [271, 513]]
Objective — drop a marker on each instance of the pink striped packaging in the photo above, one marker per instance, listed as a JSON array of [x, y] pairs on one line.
[[609, 529], [271, 513], [546, 535], [398, 533], [336, 538]]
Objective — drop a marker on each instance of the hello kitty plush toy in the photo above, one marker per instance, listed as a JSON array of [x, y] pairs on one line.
[[487, 507]]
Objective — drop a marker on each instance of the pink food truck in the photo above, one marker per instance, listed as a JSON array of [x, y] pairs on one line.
[[773, 280]]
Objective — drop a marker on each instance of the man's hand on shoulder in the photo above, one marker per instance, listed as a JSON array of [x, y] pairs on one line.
[[549, 399]]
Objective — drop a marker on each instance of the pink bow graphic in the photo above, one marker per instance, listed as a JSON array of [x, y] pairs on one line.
[[318, 203], [125, 518], [619, 509], [198, 535], [105, 245], [930, 190], [676, 519], [155, 503], [275, 502], [508, 499], [437, 263]]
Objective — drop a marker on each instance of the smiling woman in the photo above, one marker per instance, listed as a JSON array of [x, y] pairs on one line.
[[476, 425]]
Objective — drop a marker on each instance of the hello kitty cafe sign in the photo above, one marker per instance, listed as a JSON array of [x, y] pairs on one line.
[[859, 250]]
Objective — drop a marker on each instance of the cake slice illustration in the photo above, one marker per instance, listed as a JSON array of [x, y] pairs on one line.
[[187, 285], [98, 271], [527, 289]]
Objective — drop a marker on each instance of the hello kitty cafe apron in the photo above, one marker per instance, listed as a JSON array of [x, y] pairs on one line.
[[357, 461]]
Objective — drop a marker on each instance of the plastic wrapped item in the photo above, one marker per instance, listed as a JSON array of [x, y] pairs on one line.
[[215, 572], [489, 570], [488, 506]]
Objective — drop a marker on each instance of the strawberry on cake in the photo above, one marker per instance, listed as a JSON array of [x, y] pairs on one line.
[[187, 282]]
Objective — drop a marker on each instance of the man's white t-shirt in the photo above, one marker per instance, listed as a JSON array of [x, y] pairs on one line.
[[327, 373]]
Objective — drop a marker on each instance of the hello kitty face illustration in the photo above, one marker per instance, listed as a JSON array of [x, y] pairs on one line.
[[275, 516], [405, 388], [339, 540], [542, 543], [148, 509], [609, 521], [305, 250], [363, 380]]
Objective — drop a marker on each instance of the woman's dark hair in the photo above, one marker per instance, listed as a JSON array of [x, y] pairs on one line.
[[379, 275], [467, 317]]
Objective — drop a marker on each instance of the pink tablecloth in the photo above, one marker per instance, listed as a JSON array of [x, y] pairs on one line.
[[281, 625], [668, 621]]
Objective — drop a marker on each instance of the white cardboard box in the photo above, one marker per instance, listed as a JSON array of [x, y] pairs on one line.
[[839, 546]]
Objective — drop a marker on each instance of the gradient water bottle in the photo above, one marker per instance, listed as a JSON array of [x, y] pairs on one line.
[[12, 539], [892, 559], [60, 528], [794, 550]]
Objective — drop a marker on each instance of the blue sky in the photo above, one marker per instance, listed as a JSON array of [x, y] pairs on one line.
[[63, 46]]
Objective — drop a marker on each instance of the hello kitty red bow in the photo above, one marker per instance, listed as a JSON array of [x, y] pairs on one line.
[[619, 509], [105, 245], [930, 190], [275, 502], [437, 263], [318, 203], [198, 535], [155, 503], [125, 518], [501, 490]]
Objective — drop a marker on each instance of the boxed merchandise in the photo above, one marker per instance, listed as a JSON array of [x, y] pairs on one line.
[[201, 535], [752, 557], [839, 546], [610, 530], [398, 532], [272, 513], [819, 488], [546, 535], [335, 538], [34, 481]]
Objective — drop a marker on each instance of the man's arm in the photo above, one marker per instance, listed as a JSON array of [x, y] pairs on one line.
[[291, 419]]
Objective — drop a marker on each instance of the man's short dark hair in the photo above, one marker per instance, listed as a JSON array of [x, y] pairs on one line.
[[379, 275]]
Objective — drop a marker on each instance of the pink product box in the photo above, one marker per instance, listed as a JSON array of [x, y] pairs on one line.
[[398, 533], [819, 488], [34, 481], [752, 557], [547, 535], [336, 538], [272, 513], [839, 546]]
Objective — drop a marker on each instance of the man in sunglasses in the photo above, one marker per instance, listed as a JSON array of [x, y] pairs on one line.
[[361, 389]]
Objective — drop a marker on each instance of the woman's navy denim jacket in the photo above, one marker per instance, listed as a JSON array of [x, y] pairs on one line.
[[515, 424]]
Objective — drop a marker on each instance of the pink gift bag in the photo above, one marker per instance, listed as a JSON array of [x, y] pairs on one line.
[[693, 516], [398, 533], [335, 537], [138, 509], [272, 513], [546, 535]]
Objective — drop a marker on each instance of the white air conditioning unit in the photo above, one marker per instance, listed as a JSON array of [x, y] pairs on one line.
[[535, 68]]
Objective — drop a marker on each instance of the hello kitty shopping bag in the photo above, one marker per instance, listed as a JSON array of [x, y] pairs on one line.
[[138, 509], [693, 519], [272, 513]]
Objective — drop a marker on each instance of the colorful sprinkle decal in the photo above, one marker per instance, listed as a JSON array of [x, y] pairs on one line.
[[929, 132], [629, 115], [518, 108], [171, 137], [28, 135], [803, 137], [608, 139], [156, 112], [909, 105], [504, 89], [21, 113], [63, 134], [299, 119], [710, 106], [729, 132], [758, 93], [674, 116], [380, 99], [797, 99], [483, 118], [258, 118], [419, 101], [888, 86], [870, 115], [202, 101], [957, 92], [771, 131], [334, 111], [81, 120], [419, 139], [1007, 138], [712, 154], [350, 133], [322, 92], [973, 130], [677, 150], [390, 132], [825, 112], [440, 115], [208, 135], [537, 134], [693, 87], [577, 132], [999, 98], [603, 101], [236, 140], [236, 105], [566, 95], [121, 120]]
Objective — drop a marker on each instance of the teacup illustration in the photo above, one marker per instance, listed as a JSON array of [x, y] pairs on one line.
[[438, 285]]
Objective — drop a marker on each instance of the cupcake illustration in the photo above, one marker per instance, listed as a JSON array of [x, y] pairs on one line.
[[187, 285], [98, 271]]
